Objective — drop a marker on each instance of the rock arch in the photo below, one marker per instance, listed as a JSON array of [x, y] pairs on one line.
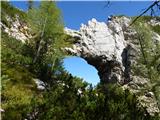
[[110, 48], [102, 45]]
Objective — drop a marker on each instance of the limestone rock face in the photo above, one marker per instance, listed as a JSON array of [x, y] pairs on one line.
[[17, 29], [102, 46], [154, 22], [111, 48], [40, 84]]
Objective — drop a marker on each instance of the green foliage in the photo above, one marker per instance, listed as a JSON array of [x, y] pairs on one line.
[[17, 84], [15, 101], [149, 58], [64, 101], [156, 28], [61, 99], [8, 10], [13, 51], [17, 90], [17, 74], [119, 104], [146, 18], [49, 37], [14, 61]]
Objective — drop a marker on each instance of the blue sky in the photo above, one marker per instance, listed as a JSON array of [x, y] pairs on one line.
[[75, 13], [79, 67]]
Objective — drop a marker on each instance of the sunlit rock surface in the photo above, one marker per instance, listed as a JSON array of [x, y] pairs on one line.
[[17, 29], [102, 46], [111, 48]]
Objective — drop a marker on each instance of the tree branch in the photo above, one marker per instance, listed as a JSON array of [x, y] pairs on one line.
[[149, 8]]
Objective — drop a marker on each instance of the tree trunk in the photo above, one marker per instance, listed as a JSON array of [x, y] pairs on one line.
[[40, 43]]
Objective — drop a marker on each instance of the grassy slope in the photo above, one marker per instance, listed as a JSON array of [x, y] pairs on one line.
[[18, 87]]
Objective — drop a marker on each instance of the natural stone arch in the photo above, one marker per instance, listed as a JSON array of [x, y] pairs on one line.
[[111, 48], [101, 45], [109, 71]]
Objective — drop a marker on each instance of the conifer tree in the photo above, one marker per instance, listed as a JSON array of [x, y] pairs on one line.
[[149, 58], [47, 28]]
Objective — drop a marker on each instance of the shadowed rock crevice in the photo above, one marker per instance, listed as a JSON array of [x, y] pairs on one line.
[[126, 63], [108, 71]]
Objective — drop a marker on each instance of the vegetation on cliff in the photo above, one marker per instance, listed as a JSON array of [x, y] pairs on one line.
[[64, 96], [148, 62]]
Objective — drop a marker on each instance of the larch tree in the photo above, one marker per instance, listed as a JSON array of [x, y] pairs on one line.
[[47, 27]]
